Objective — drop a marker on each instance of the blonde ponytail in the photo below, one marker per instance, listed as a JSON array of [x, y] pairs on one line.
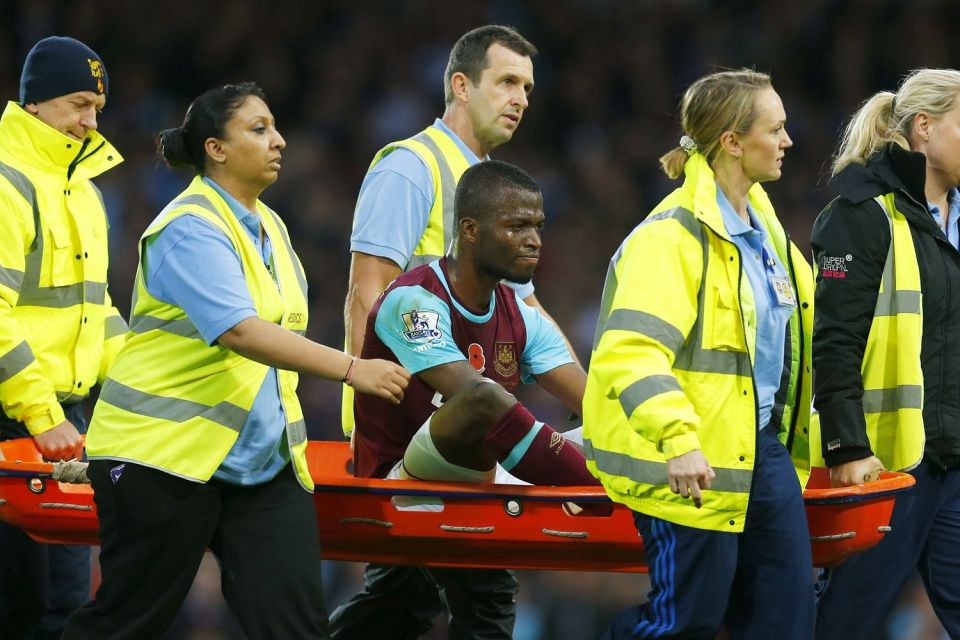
[[718, 102], [870, 129], [672, 162], [888, 118]]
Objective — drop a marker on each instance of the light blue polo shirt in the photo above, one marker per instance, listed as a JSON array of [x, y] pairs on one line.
[[953, 214], [762, 266], [393, 207], [192, 264]]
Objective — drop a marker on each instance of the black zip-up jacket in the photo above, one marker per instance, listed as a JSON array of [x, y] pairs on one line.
[[850, 241]]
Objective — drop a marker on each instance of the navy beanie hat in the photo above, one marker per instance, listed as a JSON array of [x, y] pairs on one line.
[[57, 66]]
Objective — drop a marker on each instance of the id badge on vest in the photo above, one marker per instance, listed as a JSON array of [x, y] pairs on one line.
[[783, 290], [779, 280]]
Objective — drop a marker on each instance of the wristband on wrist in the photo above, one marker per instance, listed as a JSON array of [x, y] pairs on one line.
[[348, 376]]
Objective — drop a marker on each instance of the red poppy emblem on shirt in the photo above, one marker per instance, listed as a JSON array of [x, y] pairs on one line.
[[477, 360]]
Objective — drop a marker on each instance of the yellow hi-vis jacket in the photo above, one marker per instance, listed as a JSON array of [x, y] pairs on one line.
[[175, 403], [891, 370], [672, 369], [446, 164], [59, 330]]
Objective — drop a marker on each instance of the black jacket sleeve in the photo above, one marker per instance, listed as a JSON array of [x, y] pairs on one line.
[[850, 243]]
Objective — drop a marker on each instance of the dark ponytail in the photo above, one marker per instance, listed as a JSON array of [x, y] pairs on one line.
[[172, 148], [207, 117]]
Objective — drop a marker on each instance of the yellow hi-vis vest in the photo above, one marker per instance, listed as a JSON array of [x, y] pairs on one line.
[[59, 330], [173, 402], [891, 370], [446, 164], [672, 364]]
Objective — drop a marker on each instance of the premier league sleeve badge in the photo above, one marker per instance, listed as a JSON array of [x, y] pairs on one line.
[[420, 327]]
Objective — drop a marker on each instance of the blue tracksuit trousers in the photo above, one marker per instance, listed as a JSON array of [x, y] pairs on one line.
[[758, 583]]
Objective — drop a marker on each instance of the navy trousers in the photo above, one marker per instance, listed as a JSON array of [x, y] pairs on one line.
[[154, 530], [401, 603], [758, 583], [857, 596], [40, 584]]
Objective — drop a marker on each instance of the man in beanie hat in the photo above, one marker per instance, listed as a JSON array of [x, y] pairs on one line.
[[59, 330]]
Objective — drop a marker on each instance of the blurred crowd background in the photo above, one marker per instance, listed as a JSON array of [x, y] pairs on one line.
[[346, 76]]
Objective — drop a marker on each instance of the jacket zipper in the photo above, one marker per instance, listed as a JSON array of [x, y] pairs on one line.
[[800, 365], [940, 237], [753, 379], [943, 341], [753, 376], [80, 157], [937, 238]]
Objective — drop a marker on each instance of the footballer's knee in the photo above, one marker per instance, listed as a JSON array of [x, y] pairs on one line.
[[488, 402], [471, 412]]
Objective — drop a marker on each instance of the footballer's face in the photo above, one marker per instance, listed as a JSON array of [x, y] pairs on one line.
[[508, 245]]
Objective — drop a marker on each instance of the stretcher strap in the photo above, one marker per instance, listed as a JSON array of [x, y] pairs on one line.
[[71, 472]]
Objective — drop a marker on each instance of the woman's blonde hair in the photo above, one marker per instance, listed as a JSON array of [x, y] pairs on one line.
[[887, 117], [722, 101]]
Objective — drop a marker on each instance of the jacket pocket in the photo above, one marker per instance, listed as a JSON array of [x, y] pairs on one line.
[[723, 328], [65, 266]]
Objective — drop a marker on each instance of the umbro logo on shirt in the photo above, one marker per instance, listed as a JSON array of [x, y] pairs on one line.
[[556, 442]]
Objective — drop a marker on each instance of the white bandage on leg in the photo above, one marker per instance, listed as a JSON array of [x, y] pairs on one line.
[[423, 462]]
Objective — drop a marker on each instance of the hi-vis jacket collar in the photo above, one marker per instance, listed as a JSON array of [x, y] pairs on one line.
[[701, 177], [34, 142]]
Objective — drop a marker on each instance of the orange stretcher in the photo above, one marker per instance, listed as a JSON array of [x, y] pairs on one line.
[[472, 525]]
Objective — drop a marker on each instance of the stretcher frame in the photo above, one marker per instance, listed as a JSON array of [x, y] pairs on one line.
[[479, 525]]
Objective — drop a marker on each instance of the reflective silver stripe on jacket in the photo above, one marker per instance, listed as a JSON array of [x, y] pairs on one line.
[[11, 278], [690, 355], [448, 188], [31, 293], [182, 327], [224, 413], [15, 361], [649, 472], [296, 432], [645, 324], [114, 326], [644, 389], [25, 188], [891, 301], [907, 396], [63, 297]]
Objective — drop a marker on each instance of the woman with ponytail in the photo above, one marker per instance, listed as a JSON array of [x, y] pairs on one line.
[[698, 394], [887, 344], [198, 440]]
